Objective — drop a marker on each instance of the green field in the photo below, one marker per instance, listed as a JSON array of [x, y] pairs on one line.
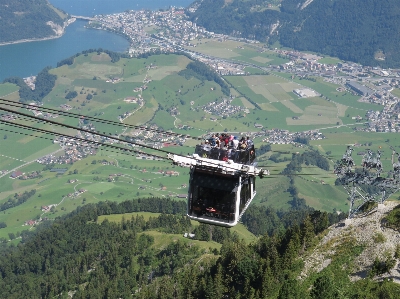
[[7, 88], [216, 48], [162, 239], [396, 92], [269, 100], [127, 216], [329, 90], [136, 178], [321, 196], [329, 60], [241, 231], [239, 51], [283, 109]]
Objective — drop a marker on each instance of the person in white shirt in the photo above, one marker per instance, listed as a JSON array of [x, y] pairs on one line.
[[235, 143]]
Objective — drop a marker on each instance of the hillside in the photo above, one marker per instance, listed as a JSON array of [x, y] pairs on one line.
[[26, 20], [360, 31], [375, 246], [80, 257], [173, 100]]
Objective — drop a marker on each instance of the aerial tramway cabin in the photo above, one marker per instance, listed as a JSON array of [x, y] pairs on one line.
[[222, 183]]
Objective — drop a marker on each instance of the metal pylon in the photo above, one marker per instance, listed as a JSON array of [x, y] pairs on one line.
[[352, 179]]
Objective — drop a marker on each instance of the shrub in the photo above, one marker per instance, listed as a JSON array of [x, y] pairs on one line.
[[379, 238]]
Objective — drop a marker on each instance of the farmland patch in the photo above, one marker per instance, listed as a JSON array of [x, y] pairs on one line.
[[261, 59], [267, 107], [289, 86], [246, 103], [292, 106], [101, 57]]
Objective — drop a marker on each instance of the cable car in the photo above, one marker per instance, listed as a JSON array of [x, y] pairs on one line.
[[221, 185]]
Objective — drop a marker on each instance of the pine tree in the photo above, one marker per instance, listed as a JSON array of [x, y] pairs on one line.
[[324, 287], [307, 233], [290, 290], [218, 283]]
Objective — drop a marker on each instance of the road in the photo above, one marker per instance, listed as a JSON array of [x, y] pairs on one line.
[[27, 163]]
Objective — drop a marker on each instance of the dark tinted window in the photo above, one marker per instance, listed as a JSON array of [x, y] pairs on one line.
[[244, 194], [215, 182]]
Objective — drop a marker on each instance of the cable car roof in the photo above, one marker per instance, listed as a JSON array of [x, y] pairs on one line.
[[224, 167]]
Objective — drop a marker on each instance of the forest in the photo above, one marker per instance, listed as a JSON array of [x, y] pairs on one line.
[[76, 255], [351, 30], [26, 20], [43, 85]]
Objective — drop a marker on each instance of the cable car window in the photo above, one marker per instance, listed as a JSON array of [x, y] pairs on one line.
[[213, 196], [212, 202], [244, 195], [214, 181]]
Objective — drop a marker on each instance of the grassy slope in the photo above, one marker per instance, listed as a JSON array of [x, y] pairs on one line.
[[242, 232], [7, 88], [163, 90], [321, 196]]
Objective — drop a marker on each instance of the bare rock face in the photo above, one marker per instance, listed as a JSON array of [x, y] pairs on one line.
[[58, 30], [368, 232]]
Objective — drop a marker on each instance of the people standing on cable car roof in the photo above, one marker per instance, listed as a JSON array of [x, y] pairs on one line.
[[226, 140], [249, 142], [242, 144], [213, 140], [217, 141], [221, 141], [235, 143]]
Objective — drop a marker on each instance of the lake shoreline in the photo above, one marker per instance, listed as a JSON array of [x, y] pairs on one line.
[[59, 34], [30, 40]]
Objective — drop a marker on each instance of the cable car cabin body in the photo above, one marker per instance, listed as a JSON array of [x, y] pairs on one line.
[[217, 198], [219, 190]]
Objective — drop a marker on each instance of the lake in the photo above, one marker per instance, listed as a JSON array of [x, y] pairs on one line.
[[26, 59]]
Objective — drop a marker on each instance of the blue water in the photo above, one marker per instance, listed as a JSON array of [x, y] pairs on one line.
[[26, 59]]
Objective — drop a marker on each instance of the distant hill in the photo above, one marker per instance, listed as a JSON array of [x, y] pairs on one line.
[[28, 19], [363, 31]]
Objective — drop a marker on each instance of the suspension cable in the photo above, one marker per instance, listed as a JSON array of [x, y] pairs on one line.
[[104, 121], [21, 126]]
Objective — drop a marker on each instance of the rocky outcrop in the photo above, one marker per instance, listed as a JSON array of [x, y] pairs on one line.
[[368, 231]]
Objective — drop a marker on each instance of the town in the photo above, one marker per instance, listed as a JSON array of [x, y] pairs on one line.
[[171, 31]]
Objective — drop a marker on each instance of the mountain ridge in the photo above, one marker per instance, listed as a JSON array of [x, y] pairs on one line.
[[361, 31], [29, 20]]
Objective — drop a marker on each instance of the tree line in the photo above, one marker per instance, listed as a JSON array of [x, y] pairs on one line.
[[311, 157], [263, 149], [115, 56], [16, 200], [203, 72], [43, 85], [75, 254]]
